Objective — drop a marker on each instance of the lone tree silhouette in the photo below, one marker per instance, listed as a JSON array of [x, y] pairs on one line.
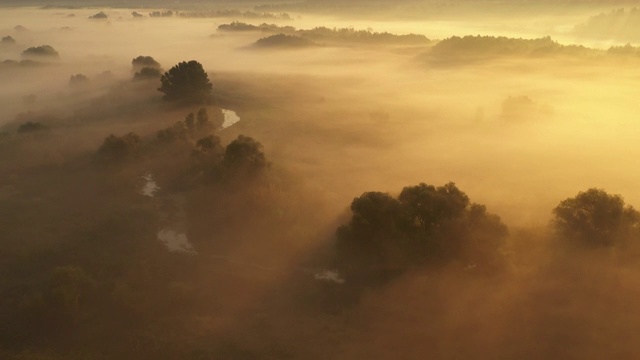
[[186, 82]]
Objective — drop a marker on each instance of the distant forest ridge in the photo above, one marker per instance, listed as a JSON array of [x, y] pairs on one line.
[[319, 34], [473, 48], [618, 24], [469, 47], [501, 45]]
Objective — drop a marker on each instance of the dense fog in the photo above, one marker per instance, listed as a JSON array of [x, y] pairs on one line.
[[319, 180]]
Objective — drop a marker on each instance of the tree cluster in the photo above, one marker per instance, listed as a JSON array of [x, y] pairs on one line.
[[282, 40], [519, 108], [624, 50], [244, 156], [78, 81], [145, 68], [232, 13], [195, 137], [424, 225], [166, 13], [486, 47], [324, 34], [99, 16], [427, 225], [7, 40], [41, 51], [193, 126], [240, 26], [31, 127], [143, 61], [594, 218], [116, 149]]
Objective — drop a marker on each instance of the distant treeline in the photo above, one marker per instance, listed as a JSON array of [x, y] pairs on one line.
[[473, 48], [235, 13], [490, 46], [221, 13], [616, 25], [626, 50], [167, 13], [322, 33], [283, 41], [8, 63]]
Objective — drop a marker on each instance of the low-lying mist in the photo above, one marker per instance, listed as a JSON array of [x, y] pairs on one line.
[[349, 187]]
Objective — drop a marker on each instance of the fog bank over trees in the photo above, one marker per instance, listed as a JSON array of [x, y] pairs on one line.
[[379, 180]]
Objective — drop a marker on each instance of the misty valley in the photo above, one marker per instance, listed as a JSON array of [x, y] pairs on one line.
[[318, 179]]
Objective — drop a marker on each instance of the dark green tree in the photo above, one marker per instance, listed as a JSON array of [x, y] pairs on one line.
[[186, 82]]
